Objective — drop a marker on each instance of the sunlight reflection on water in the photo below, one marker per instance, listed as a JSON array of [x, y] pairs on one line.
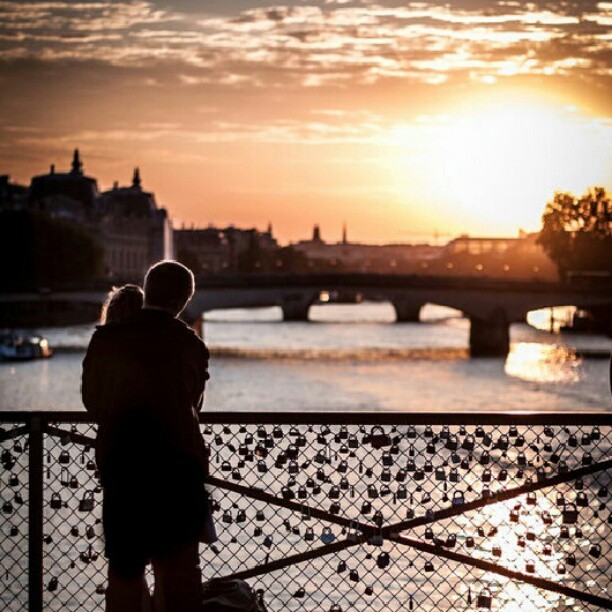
[[542, 363]]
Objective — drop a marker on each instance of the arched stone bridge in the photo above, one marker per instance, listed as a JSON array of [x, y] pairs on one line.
[[490, 304]]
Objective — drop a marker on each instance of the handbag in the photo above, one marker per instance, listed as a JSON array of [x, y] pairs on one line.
[[231, 595]]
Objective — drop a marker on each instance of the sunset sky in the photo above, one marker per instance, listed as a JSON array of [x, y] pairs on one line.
[[400, 118]]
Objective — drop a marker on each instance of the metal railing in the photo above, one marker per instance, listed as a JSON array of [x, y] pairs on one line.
[[340, 511]]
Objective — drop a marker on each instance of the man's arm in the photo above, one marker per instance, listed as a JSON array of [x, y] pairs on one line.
[[203, 375], [91, 384]]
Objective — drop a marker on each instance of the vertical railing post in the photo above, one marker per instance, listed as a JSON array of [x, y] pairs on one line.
[[35, 524]]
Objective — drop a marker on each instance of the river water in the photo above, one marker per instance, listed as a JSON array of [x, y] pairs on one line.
[[352, 357]]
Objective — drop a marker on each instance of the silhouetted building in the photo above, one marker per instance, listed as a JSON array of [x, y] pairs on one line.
[[203, 250], [215, 250], [133, 231], [67, 195], [356, 257], [126, 221], [12, 195], [520, 257]]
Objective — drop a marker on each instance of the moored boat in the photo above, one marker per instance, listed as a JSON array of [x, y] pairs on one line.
[[23, 347]]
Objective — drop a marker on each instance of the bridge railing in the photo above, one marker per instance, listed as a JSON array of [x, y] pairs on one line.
[[340, 511]]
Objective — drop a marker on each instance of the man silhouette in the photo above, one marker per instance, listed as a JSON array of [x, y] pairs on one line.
[[143, 380]]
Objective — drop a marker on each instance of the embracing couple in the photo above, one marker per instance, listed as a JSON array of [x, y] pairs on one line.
[[143, 380]]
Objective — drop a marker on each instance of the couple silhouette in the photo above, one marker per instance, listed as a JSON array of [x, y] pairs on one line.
[[143, 380]]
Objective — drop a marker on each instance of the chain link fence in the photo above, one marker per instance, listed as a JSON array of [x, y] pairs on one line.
[[340, 512]]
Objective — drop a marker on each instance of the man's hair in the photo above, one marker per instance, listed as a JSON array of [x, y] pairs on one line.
[[168, 285]]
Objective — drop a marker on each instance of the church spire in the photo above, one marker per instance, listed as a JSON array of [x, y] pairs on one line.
[[136, 182], [77, 165]]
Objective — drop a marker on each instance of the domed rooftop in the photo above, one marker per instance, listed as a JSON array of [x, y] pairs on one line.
[[74, 185], [129, 201]]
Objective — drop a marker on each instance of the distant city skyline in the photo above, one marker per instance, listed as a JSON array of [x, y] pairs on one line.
[[400, 119]]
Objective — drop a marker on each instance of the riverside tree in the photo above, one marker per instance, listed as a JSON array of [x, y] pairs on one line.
[[577, 231]]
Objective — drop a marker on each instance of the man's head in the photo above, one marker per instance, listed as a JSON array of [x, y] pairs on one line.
[[168, 285]]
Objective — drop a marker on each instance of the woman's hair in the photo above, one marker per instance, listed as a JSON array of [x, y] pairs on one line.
[[121, 304]]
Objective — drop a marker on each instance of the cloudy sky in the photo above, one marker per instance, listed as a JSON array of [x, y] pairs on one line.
[[400, 118]]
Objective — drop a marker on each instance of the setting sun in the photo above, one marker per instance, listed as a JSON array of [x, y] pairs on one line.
[[493, 167]]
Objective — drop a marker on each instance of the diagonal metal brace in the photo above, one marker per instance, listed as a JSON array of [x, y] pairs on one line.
[[75, 438], [487, 566], [14, 433]]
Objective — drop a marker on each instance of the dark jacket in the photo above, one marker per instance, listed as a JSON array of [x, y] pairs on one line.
[[143, 381]]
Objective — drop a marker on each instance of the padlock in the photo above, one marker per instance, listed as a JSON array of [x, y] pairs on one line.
[[385, 475], [486, 475], [428, 467], [227, 517], [400, 475], [502, 442], [595, 551], [342, 467], [86, 503], [327, 536], [530, 566], [372, 492], [484, 599], [440, 474], [582, 501], [569, 514], [53, 584], [383, 560], [458, 498], [56, 501], [402, 492], [299, 594], [469, 542], [587, 459], [334, 508], [354, 575], [13, 480], [378, 517], [334, 492], [267, 541], [429, 533], [378, 438], [287, 493], [366, 507], [429, 566], [452, 443], [309, 534]]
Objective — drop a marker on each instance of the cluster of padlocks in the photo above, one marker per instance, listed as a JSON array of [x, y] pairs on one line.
[[350, 517]]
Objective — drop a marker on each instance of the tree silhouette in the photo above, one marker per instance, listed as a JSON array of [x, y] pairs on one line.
[[577, 232]]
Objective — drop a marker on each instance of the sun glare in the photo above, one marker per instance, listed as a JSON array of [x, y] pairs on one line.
[[493, 168]]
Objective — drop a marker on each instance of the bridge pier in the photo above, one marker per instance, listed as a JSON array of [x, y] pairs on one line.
[[490, 337], [406, 311], [295, 311]]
